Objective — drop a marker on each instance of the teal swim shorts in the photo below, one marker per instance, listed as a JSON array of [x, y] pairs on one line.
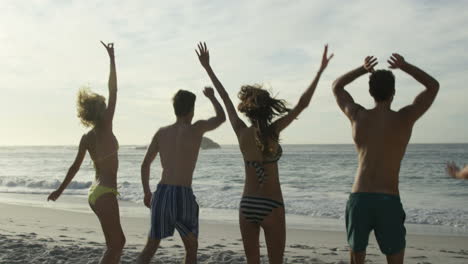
[[380, 212]]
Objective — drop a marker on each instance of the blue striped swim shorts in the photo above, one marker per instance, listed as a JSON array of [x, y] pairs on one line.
[[173, 207]]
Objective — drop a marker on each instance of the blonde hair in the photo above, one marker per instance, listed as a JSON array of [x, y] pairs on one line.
[[90, 106]]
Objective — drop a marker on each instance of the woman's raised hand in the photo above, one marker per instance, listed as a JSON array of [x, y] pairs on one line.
[[110, 49], [325, 58], [203, 54]]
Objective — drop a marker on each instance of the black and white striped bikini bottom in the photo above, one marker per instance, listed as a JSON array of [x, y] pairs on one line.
[[255, 209]]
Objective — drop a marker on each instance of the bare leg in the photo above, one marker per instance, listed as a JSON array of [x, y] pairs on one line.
[[107, 210], [148, 252], [357, 257], [274, 226], [250, 236], [191, 248], [396, 258]]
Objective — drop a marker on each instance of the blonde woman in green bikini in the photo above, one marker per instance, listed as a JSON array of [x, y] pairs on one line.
[[102, 146]]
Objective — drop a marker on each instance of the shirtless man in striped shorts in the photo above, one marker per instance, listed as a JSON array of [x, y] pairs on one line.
[[173, 205]]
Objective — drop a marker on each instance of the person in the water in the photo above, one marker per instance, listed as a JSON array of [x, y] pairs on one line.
[[102, 146], [381, 136], [261, 204], [173, 204]]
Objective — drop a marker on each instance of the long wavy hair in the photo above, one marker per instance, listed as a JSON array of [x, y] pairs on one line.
[[90, 107], [261, 108]]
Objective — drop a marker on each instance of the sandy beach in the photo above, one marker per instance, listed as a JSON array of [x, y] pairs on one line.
[[46, 235]]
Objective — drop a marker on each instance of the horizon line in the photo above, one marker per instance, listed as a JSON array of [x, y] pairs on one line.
[[234, 144]]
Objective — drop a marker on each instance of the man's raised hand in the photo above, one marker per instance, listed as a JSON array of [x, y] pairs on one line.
[[208, 92], [369, 63], [396, 61]]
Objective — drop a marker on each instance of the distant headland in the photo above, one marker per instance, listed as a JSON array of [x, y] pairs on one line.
[[205, 144]]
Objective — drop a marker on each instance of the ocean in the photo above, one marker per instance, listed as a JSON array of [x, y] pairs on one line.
[[316, 181]]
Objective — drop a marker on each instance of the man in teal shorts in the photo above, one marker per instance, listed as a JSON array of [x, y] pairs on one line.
[[381, 136]]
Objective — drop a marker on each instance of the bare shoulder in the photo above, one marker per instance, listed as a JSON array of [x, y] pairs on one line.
[[405, 115], [165, 129], [84, 141], [88, 136], [360, 113], [161, 131], [355, 112]]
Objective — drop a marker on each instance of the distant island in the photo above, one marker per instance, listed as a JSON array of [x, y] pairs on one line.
[[205, 144]]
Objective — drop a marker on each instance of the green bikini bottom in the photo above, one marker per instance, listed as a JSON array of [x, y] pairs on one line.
[[97, 191]]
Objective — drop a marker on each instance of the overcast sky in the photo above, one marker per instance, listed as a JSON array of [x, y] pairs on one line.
[[49, 49]]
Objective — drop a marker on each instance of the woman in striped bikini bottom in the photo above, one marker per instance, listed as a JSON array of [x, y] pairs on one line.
[[255, 209]]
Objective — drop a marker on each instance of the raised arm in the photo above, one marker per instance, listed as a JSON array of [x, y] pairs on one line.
[[109, 115], [304, 101], [454, 171], [204, 57], [424, 100], [343, 98], [71, 171], [214, 122], [151, 153]]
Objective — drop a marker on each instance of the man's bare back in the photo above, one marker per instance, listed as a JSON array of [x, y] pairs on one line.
[[179, 145], [381, 136]]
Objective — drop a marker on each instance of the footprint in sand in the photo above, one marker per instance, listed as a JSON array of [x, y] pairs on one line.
[[460, 257], [301, 246]]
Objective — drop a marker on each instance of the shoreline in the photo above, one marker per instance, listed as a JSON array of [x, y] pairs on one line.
[[78, 204], [76, 237]]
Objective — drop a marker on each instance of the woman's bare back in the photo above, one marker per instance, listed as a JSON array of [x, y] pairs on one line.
[[271, 187], [103, 148]]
